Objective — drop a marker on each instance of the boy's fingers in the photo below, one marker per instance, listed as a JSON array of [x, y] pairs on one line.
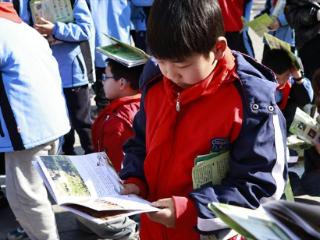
[[129, 189]]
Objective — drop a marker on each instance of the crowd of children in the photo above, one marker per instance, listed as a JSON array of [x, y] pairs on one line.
[[202, 92]]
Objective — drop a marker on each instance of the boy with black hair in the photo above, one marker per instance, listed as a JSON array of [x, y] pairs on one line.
[[113, 125], [112, 128], [293, 89], [208, 99]]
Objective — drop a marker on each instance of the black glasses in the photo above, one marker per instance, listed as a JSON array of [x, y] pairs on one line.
[[104, 77]]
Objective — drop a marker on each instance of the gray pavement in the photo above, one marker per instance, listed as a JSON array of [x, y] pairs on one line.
[[67, 225]]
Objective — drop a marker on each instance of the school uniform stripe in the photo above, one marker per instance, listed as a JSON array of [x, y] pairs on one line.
[[9, 119]]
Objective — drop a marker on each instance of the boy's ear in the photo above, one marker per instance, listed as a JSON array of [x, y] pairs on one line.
[[123, 83], [220, 47]]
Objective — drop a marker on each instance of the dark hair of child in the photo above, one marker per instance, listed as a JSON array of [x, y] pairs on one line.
[[177, 29], [278, 60], [131, 74]]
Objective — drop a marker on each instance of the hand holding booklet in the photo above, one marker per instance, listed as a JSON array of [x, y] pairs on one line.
[[305, 127], [52, 10], [88, 185]]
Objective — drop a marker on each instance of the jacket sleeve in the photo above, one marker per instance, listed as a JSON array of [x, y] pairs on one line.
[[81, 29], [300, 13], [116, 132], [258, 168], [135, 153], [135, 148]]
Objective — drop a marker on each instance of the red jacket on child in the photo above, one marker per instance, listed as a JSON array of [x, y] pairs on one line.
[[113, 127], [232, 109]]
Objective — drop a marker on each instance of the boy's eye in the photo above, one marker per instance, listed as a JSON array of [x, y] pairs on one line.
[[184, 65]]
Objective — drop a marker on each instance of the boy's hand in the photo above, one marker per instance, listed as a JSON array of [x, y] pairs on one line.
[[130, 188], [44, 27], [274, 25], [166, 216], [296, 73]]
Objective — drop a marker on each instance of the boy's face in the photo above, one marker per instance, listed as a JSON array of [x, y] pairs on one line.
[[111, 87], [189, 71]]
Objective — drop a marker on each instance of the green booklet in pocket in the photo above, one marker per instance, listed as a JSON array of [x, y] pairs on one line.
[[211, 167]]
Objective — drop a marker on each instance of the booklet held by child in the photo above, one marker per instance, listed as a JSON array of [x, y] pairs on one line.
[[88, 185], [276, 220], [305, 127], [124, 53], [52, 10]]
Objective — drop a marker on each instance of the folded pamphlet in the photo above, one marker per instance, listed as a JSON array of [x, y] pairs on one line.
[[260, 25]]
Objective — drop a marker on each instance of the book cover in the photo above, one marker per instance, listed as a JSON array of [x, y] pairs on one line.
[[124, 53]]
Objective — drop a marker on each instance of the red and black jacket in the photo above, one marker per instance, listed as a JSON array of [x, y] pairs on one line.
[[234, 107]]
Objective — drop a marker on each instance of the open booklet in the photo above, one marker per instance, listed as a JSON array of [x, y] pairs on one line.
[[124, 53], [276, 220], [88, 185], [305, 127], [260, 25], [52, 10]]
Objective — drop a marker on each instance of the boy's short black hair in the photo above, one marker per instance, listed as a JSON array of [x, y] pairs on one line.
[[278, 60], [131, 75], [178, 29]]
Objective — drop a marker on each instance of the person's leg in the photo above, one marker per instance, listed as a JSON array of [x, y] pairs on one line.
[[2, 167], [120, 228], [79, 113], [27, 195], [68, 143]]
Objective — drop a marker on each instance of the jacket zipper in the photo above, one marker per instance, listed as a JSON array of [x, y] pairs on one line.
[[178, 109], [178, 106]]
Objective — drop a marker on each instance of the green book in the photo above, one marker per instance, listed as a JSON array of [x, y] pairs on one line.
[[211, 167], [124, 53], [260, 25]]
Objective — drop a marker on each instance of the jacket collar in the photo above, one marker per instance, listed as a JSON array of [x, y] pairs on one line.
[[223, 72], [114, 105], [7, 11]]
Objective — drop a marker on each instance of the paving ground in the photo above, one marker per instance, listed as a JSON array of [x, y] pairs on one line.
[[67, 226]]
